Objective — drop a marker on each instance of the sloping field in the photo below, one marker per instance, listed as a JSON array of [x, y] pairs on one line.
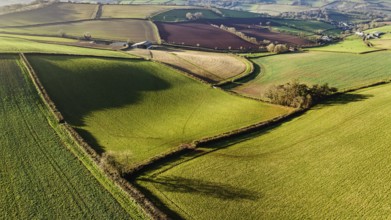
[[204, 35], [341, 70], [212, 67], [39, 177], [351, 44], [12, 44], [178, 15], [330, 163], [127, 29], [59, 12], [134, 110], [134, 11]]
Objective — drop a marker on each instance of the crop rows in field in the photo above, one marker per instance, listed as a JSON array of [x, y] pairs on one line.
[[41, 178], [122, 29], [212, 67]]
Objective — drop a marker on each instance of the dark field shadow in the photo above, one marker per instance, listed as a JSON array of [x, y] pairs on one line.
[[342, 99], [202, 187], [77, 94], [90, 139]]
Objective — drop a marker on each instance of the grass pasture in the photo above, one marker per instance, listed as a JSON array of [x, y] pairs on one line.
[[102, 29], [58, 12], [134, 110], [39, 177], [341, 70], [330, 163], [351, 44], [134, 11], [214, 67], [16, 44]]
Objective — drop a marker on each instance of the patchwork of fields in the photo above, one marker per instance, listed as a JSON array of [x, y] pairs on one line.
[[331, 162], [341, 70], [328, 162], [134, 110], [39, 177]]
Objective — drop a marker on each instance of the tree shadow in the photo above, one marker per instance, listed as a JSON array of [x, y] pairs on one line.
[[202, 187], [342, 99], [90, 140]]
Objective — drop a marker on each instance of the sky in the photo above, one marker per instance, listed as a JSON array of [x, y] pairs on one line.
[[10, 2]]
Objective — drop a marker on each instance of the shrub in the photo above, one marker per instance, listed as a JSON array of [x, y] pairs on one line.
[[299, 95]]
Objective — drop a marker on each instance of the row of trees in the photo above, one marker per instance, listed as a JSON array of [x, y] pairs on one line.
[[195, 16], [277, 48], [298, 95]]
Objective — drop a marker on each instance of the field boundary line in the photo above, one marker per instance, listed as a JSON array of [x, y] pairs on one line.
[[91, 160]]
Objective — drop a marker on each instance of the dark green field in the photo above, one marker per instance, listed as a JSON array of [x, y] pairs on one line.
[[39, 177]]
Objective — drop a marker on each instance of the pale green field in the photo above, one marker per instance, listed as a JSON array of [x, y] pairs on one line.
[[352, 44], [59, 12], [40, 38], [330, 163], [134, 11], [123, 30], [12, 44], [134, 110], [341, 70], [39, 177]]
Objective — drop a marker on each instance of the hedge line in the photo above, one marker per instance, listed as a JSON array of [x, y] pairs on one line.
[[101, 161]]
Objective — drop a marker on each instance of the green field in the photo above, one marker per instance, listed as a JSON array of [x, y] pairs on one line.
[[134, 11], [341, 70], [351, 44], [101, 29], [134, 110], [39, 177], [330, 163], [238, 14], [58, 12], [178, 15], [16, 44]]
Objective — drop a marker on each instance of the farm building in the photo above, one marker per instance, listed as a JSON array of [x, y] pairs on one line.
[[143, 45]]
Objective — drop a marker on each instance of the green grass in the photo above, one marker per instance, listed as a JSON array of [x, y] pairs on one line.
[[39, 177], [238, 14], [351, 44], [12, 44], [40, 38], [122, 30], [177, 15], [134, 110], [342, 70], [305, 25], [58, 12], [133, 11], [330, 163]]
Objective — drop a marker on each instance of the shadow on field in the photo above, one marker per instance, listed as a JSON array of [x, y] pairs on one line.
[[342, 99], [80, 86], [90, 139], [197, 186]]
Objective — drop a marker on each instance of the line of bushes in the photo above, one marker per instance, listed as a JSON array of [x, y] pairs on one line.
[[104, 161]]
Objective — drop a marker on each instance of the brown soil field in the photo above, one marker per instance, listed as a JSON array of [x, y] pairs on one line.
[[251, 28], [207, 36], [212, 67]]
